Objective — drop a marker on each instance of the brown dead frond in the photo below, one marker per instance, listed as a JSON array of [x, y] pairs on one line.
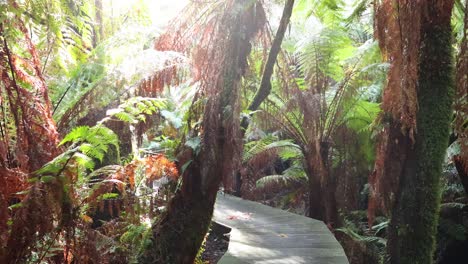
[[397, 27]]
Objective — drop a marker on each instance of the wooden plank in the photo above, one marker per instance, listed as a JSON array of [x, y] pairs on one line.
[[262, 235]]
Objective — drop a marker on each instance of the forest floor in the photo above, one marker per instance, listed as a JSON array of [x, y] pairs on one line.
[[216, 244]]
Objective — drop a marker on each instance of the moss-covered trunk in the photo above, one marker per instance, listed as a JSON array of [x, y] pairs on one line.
[[415, 212]]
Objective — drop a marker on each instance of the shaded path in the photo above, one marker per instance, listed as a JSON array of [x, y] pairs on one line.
[[265, 235]]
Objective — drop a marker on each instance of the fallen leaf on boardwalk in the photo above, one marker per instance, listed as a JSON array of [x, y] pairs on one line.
[[283, 235], [240, 216]]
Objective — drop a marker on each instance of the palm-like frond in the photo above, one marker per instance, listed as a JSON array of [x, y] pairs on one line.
[[359, 8], [328, 11], [294, 173], [268, 145], [92, 141]]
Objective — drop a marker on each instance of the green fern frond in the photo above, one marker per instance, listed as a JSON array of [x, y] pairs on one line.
[[292, 174], [135, 109], [378, 241], [106, 170], [92, 151], [256, 148], [77, 134], [84, 160], [92, 141], [359, 8]]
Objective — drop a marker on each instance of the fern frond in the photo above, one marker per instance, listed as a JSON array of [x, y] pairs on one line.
[[359, 8], [268, 144], [378, 241], [135, 109], [292, 174], [77, 134]]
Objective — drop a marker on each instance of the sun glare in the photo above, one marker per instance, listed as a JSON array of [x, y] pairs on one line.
[[160, 11]]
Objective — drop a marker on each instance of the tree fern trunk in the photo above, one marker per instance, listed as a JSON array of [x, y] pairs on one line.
[[316, 208], [179, 233], [415, 214]]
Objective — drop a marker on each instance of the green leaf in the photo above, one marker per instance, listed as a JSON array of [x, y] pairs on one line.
[[77, 134], [194, 143], [185, 166], [110, 196], [47, 179], [15, 206], [172, 118]]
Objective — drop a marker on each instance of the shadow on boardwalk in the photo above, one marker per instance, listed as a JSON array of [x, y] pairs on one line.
[[265, 235]]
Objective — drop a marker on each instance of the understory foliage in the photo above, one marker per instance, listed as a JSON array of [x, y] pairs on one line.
[[54, 196]]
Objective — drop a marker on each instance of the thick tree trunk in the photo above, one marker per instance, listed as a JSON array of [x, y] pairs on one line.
[[329, 187], [415, 213], [331, 207], [316, 206], [179, 233]]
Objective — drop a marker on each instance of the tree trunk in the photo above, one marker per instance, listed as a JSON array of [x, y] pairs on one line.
[[415, 213], [265, 86], [314, 173], [99, 26], [233, 183], [322, 185], [179, 233]]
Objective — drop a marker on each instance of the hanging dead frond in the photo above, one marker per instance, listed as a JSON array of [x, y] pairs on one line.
[[29, 140], [397, 28]]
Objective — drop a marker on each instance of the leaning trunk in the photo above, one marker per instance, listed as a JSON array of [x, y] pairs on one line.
[[233, 181], [415, 213], [179, 233]]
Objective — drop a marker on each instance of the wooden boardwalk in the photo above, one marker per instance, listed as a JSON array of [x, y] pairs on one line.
[[264, 235]]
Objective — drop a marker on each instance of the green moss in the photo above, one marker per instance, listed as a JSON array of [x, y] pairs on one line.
[[414, 219]]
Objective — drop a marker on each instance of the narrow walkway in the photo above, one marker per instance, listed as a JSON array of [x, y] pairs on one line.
[[265, 235]]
